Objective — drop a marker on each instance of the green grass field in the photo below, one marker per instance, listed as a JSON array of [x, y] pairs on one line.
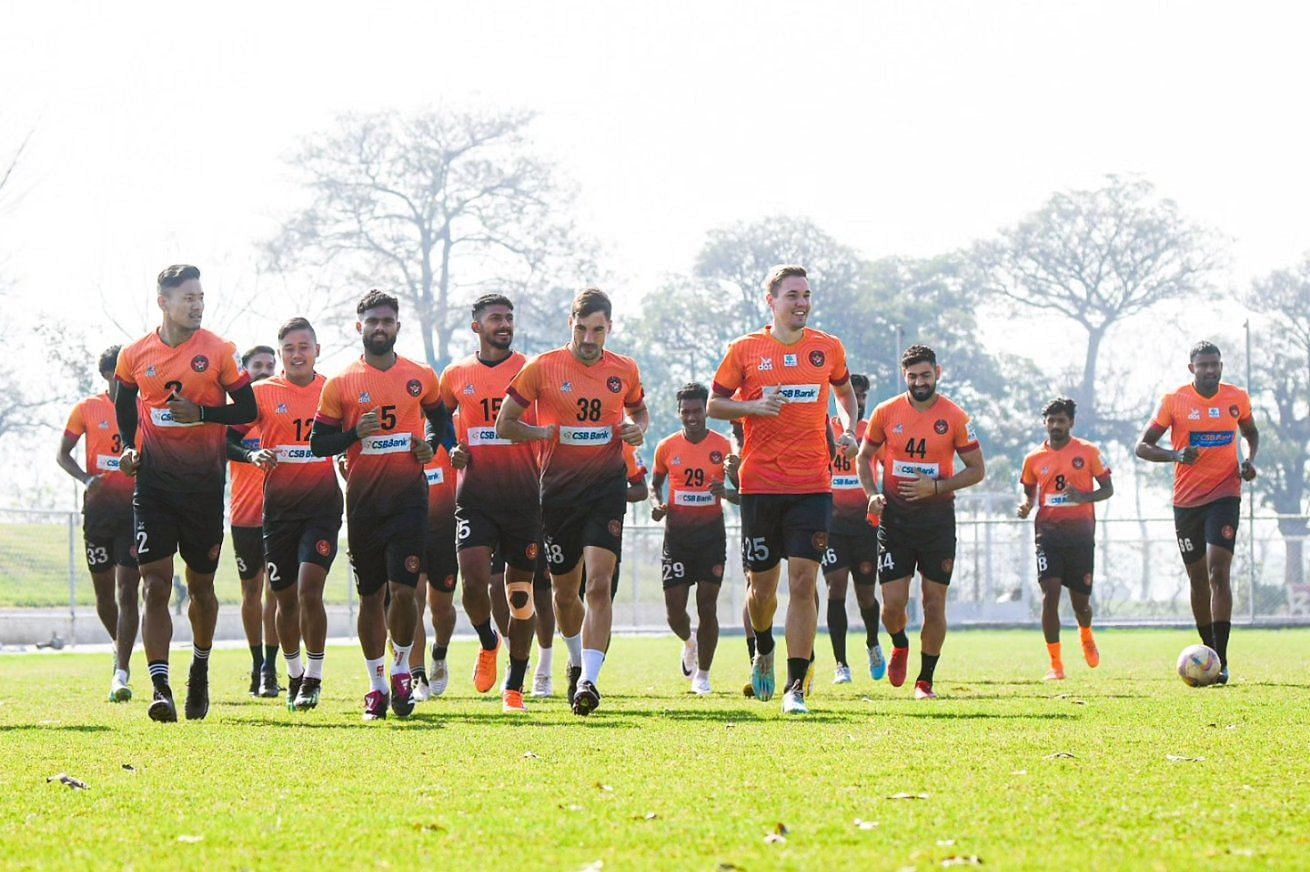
[[1121, 767]]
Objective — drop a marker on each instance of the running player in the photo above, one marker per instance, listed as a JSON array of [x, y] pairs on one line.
[[852, 549], [785, 373], [920, 432], [588, 402], [374, 410], [301, 508], [497, 504], [1204, 418], [1060, 476], [246, 515], [436, 583], [106, 520], [695, 542], [171, 394]]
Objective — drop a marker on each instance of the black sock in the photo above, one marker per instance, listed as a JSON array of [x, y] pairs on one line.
[[438, 652], [750, 647], [871, 618], [900, 640], [928, 667], [419, 672], [1207, 634], [1220, 630], [270, 657], [486, 635], [158, 674], [764, 641], [256, 658], [837, 629], [517, 670], [796, 669]]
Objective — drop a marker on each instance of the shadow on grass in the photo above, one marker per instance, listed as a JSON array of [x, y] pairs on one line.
[[41, 728], [984, 716]]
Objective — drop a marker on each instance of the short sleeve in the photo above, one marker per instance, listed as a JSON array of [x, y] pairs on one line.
[[231, 374], [1164, 418], [635, 393], [966, 438], [1243, 407], [839, 373], [662, 458], [1028, 478], [76, 425], [525, 387], [431, 396], [728, 377], [448, 398], [1099, 468], [329, 403], [123, 369], [876, 432]]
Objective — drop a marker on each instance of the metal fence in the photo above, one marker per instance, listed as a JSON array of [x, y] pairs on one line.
[[45, 589]]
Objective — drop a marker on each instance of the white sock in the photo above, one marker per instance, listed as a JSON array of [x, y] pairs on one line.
[[544, 658], [592, 661], [377, 674], [314, 665], [574, 644], [702, 675], [401, 666], [121, 675], [294, 669]]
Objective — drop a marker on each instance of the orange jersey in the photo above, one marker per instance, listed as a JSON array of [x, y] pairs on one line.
[[385, 476], [1212, 425], [918, 443], [246, 507], [441, 490], [586, 404], [94, 420], [695, 514], [301, 486], [1079, 465], [186, 458], [501, 475], [850, 507], [787, 454]]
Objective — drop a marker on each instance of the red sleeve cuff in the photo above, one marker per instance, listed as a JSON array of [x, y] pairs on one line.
[[972, 446], [517, 397], [125, 382], [721, 391], [239, 383], [320, 418], [841, 381], [641, 400]]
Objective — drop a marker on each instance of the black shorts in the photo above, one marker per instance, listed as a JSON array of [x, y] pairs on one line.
[[566, 530], [248, 545], [1214, 523], [514, 537], [923, 544], [187, 524], [387, 548], [1073, 565], [774, 526], [857, 552], [693, 564], [108, 542], [291, 542], [440, 561]]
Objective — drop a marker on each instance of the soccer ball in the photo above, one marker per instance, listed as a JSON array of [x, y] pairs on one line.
[[1198, 666]]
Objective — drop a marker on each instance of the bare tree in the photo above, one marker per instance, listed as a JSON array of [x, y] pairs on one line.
[[16, 403], [1098, 258], [432, 206]]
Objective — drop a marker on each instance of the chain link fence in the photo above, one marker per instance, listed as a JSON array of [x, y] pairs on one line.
[[45, 590]]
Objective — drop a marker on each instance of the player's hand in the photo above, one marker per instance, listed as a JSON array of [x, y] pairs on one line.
[[732, 465], [93, 484], [183, 410], [342, 460], [369, 423], [422, 450], [129, 462], [877, 503], [631, 433], [1248, 471], [1189, 455], [1077, 497], [770, 404], [915, 489], [1025, 509], [848, 445], [460, 456], [717, 488], [547, 434], [264, 458], [658, 511]]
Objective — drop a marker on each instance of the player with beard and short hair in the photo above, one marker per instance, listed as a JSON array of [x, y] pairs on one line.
[[1204, 419], [301, 507], [589, 401], [374, 410], [784, 375], [246, 516], [171, 406], [106, 519], [919, 433]]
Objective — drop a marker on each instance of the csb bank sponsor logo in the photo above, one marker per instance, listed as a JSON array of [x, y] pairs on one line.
[[298, 454], [164, 418], [1211, 439], [393, 443], [800, 393], [435, 476], [486, 436], [694, 498], [585, 435]]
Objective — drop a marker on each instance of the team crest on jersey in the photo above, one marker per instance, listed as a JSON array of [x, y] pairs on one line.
[[940, 427], [817, 358], [616, 528], [469, 390], [766, 364], [1214, 412], [716, 457], [365, 398], [789, 360], [532, 550], [1234, 411], [411, 563], [323, 547], [1079, 463], [614, 383], [282, 409], [151, 372], [200, 363], [414, 387], [1194, 415], [819, 541], [566, 388]]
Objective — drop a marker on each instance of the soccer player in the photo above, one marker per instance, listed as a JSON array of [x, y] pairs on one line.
[[1066, 476], [695, 542], [497, 506], [172, 413], [852, 549], [301, 507], [106, 520], [246, 511], [374, 411], [920, 432], [588, 401], [1204, 418], [785, 374], [436, 583]]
